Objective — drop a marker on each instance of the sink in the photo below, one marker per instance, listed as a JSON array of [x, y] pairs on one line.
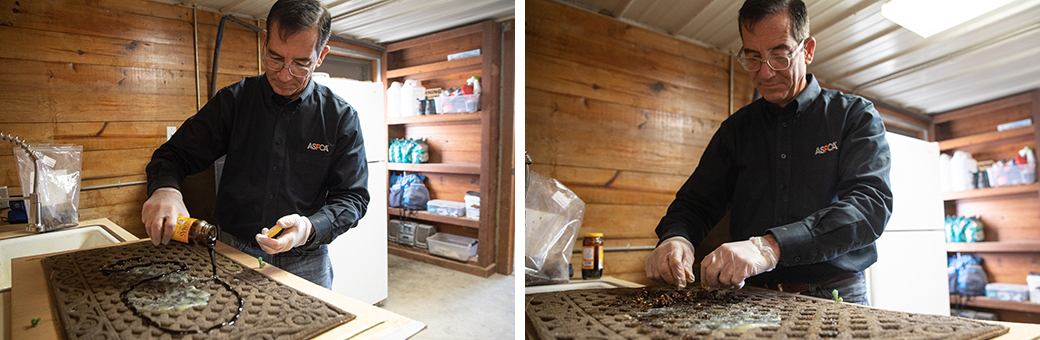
[[55, 241]]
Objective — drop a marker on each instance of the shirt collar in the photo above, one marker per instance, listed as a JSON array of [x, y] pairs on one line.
[[809, 94], [272, 98], [800, 103]]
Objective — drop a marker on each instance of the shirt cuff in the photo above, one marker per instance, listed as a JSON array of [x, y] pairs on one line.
[[795, 242], [320, 231], [162, 182]]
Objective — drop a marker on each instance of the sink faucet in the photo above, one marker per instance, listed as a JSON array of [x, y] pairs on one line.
[[33, 202]]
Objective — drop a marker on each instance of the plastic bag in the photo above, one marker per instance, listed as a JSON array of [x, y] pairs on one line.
[[399, 191], [416, 196], [59, 186], [966, 275], [554, 215], [409, 151]]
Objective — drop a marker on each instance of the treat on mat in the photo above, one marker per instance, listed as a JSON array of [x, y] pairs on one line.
[[750, 313]]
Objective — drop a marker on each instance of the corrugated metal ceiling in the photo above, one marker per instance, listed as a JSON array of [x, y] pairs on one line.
[[379, 21], [860, 51]]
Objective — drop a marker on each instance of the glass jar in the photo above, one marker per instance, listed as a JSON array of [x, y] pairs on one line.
[[193, 230], [592, 256]]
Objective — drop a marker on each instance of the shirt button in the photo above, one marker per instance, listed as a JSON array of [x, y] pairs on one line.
[[779, 219], [271, 196], [275, 168], [797, 259], [782, 187], [783, 124], [278, 142], [783, 156]]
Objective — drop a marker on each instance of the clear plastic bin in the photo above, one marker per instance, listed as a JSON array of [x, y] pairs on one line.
[[1011, 175], [1007, 291], [446, 208], [452, 246], [458, 104]]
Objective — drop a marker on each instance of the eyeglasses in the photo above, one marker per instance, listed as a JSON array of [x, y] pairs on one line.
[[295, 70], [775, 62]]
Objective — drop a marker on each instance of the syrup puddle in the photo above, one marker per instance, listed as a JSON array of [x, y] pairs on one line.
[[167, 285]]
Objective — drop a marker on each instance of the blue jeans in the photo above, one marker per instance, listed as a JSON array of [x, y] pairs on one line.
[[312, 265], [852, 290]]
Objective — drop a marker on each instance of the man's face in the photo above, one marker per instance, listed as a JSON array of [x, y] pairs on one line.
[[771, 37], [297, 50]]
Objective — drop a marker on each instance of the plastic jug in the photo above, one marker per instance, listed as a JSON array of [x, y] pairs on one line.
[[411, 93], [944, 172], [393, 100]]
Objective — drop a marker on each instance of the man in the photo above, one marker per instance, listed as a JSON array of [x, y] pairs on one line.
[[295, 154], [803, 172]]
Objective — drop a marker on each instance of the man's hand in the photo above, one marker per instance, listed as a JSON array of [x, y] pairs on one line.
[[296, 230], [731, 263], [671, 262], [160, 212]]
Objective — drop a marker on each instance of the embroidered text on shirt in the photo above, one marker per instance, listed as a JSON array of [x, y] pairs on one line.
[[827, 148], [318, 147]]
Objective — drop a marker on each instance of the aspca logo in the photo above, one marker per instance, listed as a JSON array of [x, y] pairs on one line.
[[822, 149], [318, 147]]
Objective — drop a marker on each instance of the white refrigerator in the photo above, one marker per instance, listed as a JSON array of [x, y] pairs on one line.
[[910, 273], [359, 258]]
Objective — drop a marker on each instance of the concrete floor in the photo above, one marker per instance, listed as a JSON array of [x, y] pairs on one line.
[[453, 305]]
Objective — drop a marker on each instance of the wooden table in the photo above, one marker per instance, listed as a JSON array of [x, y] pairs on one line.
[[31, 298]]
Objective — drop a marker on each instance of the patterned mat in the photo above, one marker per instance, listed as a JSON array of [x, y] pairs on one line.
[[693, 313], [91, 303]]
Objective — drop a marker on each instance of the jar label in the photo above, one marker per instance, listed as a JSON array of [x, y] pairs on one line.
[[588, 258], [180, 232]]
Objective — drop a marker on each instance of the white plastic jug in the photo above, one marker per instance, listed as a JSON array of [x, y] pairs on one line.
[[944, 172], [393, 100], [411, 92]]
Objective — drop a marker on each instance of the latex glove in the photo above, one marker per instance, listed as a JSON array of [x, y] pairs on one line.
[[296, 230], [159, 214], [731, 263], [671, 262]]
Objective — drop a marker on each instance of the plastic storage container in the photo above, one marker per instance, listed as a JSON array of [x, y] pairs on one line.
[[1007, 291], [472, 199], [1033, 281], [452, 246], [458, 104], [446, 208]]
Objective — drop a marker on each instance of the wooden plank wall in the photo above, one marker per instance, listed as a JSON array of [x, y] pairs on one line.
[[110, 76], [620, 115]]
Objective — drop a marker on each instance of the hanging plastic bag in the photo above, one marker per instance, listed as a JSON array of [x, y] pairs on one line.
[[554, 215], [59, 185]]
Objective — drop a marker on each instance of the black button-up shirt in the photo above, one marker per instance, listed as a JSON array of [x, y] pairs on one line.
[[814, 174], [304, 156]]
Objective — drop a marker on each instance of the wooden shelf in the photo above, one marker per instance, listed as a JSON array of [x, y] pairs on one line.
[[437, 69], [434, 119], [423, 255], [989, 140], [992, 192], [425, 216], [445, 168], [984, 302], [993, 247]]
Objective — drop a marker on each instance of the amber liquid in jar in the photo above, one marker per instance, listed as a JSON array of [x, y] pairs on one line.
[[592, 256], [193, 230]]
